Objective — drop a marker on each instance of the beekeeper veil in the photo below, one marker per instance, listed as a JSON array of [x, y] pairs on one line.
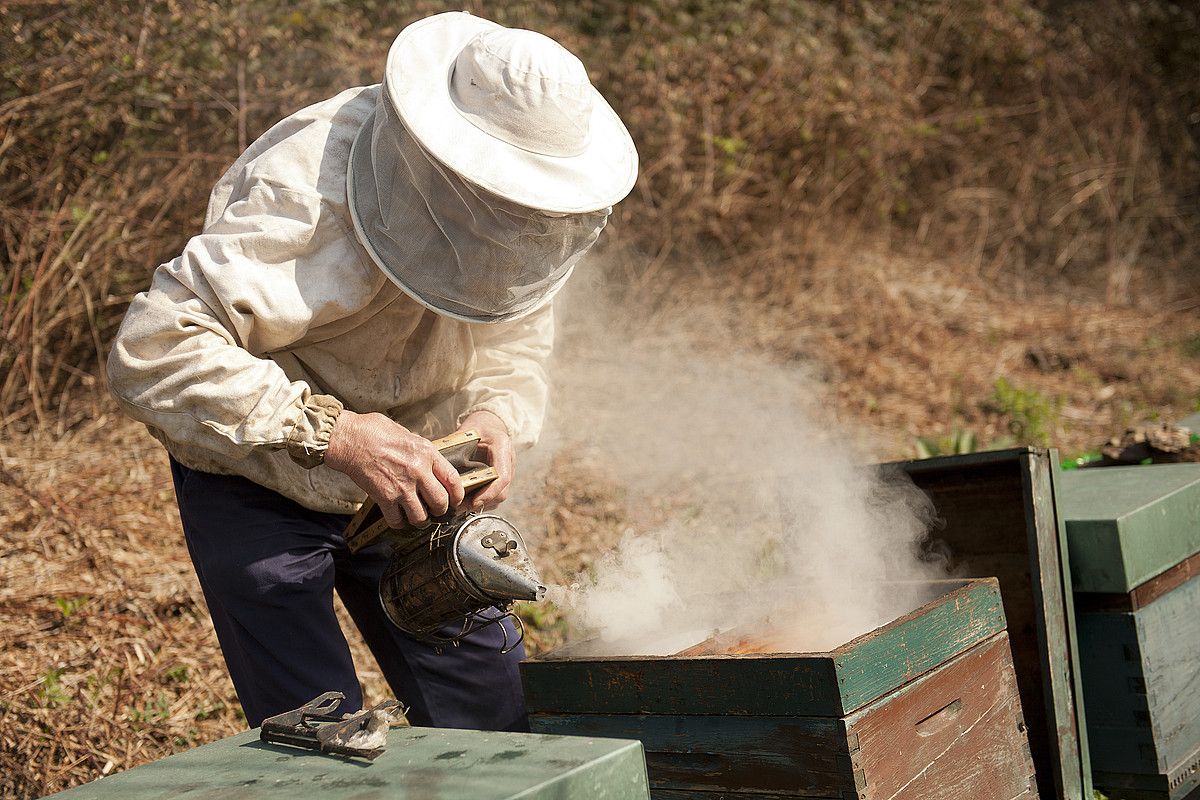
[[487, 169]]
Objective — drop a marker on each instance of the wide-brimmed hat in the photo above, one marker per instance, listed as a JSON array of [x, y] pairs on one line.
[[510, 110]]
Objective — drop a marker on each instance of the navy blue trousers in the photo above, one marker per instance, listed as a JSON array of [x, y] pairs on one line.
[[269, 567]]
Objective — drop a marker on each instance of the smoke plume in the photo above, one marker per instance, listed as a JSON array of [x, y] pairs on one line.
[[754, 508]]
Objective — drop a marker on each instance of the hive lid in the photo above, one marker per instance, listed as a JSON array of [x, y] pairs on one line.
[[998, 516], [419, 763], [1126, 525]]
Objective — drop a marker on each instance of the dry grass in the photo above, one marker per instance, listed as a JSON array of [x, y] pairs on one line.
[[109, 659], [801, 161], [107, 654], [916, 348], [1038, 146]]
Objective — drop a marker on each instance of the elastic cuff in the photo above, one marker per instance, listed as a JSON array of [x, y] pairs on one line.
[[308, 440]]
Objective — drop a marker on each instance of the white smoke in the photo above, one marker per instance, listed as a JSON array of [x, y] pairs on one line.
[[764, 510]]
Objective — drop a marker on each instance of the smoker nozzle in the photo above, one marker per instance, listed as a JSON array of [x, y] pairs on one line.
[[494, 558]]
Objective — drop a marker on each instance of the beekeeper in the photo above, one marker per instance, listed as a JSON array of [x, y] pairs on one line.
[[376, 270]]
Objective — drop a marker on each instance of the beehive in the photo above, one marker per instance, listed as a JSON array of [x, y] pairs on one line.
[[420, 764], [1134, 536], [925, 707], [997, 516]]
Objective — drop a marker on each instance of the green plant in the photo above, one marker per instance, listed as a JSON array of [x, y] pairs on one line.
[[209, 712], [1081, 459], [53, 693], [67, 606], [156, 710], [957, 442], [96, 682], [177, 674], [1030, 415], [543, 618]]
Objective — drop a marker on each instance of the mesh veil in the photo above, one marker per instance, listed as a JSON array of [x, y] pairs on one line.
[[454, 247]]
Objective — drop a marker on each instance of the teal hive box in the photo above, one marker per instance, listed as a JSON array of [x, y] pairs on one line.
[[1134, 538], [420, 764], [923, 708]]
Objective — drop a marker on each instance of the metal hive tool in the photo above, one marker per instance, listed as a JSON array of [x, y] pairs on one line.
[[314, 726]]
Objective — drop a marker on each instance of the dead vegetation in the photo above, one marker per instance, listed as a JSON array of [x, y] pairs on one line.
[[921, 199], [107, 655], [1051, 146]]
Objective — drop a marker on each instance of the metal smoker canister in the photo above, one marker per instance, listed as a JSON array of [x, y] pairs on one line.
[[467, 567]]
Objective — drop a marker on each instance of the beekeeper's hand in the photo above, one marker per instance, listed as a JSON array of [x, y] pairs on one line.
[[402, 472], [496, 449]]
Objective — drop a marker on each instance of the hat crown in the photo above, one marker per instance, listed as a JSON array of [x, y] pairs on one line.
[[524, 89]]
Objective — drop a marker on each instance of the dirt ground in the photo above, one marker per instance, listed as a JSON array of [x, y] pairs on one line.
[[107, 657]]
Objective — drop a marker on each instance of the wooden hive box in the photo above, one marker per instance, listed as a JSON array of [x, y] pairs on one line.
[[420, 764], [997, 516], [1134, 535], [925, 707]]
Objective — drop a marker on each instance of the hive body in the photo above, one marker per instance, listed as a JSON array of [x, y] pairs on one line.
[[925, 707], [1134, 534]]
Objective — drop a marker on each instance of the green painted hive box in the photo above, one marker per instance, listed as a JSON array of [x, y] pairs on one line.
[[997, 516], [923, 708], [1134, 536], [420, 764]]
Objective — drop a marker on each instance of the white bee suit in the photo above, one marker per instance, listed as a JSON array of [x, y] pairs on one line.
[[246, 343], [397, 261]]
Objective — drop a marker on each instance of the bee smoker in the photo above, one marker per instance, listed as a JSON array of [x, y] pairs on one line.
[[458, 568]]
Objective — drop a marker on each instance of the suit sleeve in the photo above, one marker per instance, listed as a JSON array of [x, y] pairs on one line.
[[190, 356]]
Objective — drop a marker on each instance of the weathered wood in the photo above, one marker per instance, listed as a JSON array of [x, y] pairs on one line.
[[1141, 677], [1181, 784], [796, 756], [785, 684], [1134, 535], [879, 661], [692, 794], [1059, 638], [1126, 525], [815, 684], [998, 518], [954, 732], [420, 764], [1143, 595]]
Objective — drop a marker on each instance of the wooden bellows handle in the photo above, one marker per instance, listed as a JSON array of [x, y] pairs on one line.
[[368, 524]]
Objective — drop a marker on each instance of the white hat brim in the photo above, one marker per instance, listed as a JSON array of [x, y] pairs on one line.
[[417, 84]]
